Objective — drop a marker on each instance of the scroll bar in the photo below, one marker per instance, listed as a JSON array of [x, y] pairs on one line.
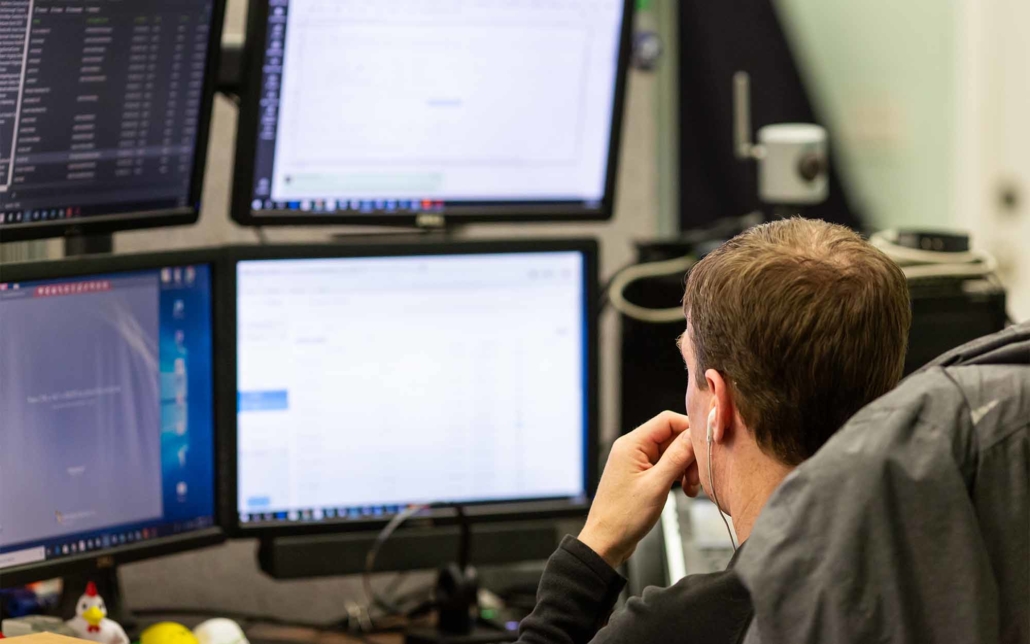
[[21, 93]]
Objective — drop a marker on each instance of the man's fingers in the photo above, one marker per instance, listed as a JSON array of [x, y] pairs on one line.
[[691, 481], [675, 461], [657, 434], [693, 474]]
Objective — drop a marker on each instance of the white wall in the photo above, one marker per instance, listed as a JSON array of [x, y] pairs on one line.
[[993, 163], [928, 100], [883, 77]]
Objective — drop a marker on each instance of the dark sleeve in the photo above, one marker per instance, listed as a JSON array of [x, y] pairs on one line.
[[575, 597], [713, 608], [578, 591]]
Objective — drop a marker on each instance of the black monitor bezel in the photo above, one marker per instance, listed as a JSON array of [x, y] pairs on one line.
[[107, 559], [246, 144], [138, 220], [477, 512]]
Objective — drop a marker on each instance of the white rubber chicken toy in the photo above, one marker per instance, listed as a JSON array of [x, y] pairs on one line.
[[90, 621]]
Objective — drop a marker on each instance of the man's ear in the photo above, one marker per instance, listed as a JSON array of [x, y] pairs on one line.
[[722, 403]]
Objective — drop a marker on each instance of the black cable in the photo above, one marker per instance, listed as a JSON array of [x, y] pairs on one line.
[[464, 539]]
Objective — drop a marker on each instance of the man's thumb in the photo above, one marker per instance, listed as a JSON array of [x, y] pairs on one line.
[[674, 462]]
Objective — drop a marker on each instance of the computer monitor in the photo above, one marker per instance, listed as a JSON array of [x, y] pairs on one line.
[[401, 112], [107, 449], [372, 378], [104, 110]]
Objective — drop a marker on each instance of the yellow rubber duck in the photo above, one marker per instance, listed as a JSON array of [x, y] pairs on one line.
[[168, 633]]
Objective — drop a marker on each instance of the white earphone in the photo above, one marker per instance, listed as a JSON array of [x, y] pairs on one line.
[[711, 477]]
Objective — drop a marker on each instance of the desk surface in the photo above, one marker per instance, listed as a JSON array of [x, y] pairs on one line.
[[48, 638], [274, 634]]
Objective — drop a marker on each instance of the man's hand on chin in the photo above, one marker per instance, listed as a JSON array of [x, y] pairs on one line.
[[641, 469]]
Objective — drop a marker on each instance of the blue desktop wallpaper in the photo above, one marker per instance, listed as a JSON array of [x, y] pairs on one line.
[[183, 325]]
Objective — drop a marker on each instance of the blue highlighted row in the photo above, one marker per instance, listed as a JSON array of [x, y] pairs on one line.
[[262, 401]]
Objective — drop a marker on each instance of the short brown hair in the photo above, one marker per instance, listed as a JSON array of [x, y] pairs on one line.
[[806, 321]]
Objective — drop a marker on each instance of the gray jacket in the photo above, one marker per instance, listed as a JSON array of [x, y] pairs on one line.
[[912, 524]]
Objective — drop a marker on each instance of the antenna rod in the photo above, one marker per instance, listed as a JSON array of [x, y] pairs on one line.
[[742, 115]]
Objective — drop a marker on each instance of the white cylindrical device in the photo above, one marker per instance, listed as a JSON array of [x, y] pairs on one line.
[[793, 167]]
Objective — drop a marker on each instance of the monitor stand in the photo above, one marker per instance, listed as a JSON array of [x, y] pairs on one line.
[[456, 598], [76, 245], [429, 227], [108, 587], [457, 590]]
